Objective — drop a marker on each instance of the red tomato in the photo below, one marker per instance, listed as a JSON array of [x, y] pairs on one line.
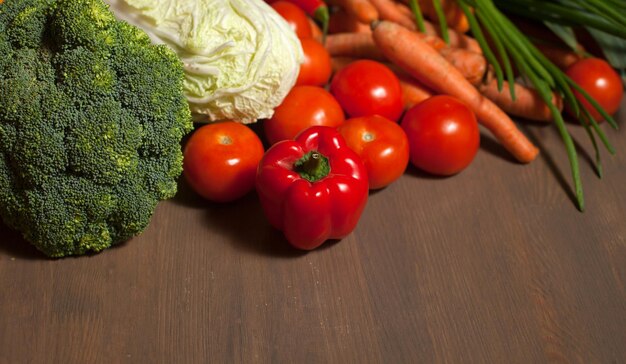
[[382, 145], [220, 160], [295, 17], [443, 135], [365, 88], [316, 68], [303, 106], [600, 81]]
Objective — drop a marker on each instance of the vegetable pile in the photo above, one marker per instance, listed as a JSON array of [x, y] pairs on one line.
[[91, 119], [411, 81], [95, 101]]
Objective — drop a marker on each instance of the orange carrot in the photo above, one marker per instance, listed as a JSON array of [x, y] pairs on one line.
[[528, 103], [413, 91], [338, 63], [472, 65], [562, 57], [410, 52], [455, 17], [404, 9], [357, 45], [362, 10], [434, 41], [457, 39], [388, 10], [342, 22]]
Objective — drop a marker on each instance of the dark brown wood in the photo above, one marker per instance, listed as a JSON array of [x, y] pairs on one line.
[[492, 265]]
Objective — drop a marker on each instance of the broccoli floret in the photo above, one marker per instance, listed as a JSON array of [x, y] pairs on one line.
[[91, 119]]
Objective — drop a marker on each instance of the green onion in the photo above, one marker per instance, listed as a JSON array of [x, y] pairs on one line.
[[504, 56], [419, 18], [478, 34], [562, 14], [443, 23]]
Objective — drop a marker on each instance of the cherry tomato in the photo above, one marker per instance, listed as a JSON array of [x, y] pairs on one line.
[[366, 87], [600, 81], [443, 135], [295, 17], [316, 68], [220, 160], [303, 106], [382, 145]]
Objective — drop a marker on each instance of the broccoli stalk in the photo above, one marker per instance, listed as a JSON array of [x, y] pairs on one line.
[[91, 119]]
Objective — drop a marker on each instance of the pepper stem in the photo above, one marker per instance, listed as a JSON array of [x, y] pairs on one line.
[[313, 166]]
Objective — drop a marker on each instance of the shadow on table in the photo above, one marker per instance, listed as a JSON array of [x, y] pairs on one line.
[[560, 171], [13, 244], [242, 220], [493, 147]]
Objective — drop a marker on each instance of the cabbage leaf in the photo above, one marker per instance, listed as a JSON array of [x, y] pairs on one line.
[[241, 58]]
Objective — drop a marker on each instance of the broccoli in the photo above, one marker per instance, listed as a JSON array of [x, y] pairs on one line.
[[91, 121]]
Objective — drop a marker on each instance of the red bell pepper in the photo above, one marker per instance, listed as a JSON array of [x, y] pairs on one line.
[[313, 188]]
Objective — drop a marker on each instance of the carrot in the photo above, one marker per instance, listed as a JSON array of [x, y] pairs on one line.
[[455, 17], [362, 10], [562, 57], [405, 10], [357, 45], [413, 92], [434, 41], [411, 53], [457, 39], [342, 22], [472, 65], [388, 10], [338, 63], [528, 103]]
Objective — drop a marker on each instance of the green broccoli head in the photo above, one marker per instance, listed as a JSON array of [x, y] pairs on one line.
[[91, 119]]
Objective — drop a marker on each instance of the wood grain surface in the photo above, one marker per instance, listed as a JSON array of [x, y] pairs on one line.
[[494, 265]]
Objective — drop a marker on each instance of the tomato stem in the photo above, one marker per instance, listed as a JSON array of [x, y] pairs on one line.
[[313, 166]]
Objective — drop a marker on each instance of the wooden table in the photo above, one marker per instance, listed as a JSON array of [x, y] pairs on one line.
[[493, 265]]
